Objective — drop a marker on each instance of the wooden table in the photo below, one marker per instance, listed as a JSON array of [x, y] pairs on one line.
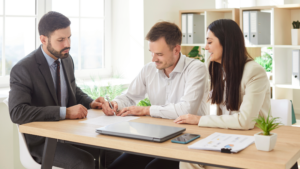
[[285, 154]]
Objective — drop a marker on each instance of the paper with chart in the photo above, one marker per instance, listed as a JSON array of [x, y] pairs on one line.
[[217, 141], [107, 120]]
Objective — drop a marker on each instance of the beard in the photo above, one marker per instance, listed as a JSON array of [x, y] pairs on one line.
[[57, 54]]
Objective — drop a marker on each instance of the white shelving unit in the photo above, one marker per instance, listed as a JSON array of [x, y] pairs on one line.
[[281, 24], [210, 15]]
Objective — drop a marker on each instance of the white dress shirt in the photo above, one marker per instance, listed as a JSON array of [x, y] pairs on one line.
[[184, 92]]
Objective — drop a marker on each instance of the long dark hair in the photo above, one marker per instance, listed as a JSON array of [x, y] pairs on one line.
[[234, 58]]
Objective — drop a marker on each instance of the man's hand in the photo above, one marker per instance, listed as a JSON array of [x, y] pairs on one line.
[[76, 112], [188, 119], [106, 108], [134, 110], [96, 104]]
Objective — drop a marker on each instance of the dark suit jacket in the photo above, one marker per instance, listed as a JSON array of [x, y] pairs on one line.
[[32, 95]]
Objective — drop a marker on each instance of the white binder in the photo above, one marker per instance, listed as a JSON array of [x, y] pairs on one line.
[[196, 30], [184, 28], [296, 67], [246, 27], [260, 28]]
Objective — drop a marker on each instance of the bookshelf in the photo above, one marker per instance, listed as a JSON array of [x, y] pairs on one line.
[[210, 15], [281, 24], [282, 17]]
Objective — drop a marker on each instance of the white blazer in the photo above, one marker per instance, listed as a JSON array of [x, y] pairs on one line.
[[254, 100]]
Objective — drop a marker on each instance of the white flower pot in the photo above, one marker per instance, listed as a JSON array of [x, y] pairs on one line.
[[295, 36], [265, 143]]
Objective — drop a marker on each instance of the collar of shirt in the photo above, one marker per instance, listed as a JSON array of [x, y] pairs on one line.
[[179, 66], [50, 60]]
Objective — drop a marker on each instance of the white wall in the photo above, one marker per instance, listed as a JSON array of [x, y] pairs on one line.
[[127, 37], [168, 10]]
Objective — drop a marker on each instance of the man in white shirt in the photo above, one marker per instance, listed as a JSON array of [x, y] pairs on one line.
[[175, 84]]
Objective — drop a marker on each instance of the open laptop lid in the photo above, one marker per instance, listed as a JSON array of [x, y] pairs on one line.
[[144, 131]]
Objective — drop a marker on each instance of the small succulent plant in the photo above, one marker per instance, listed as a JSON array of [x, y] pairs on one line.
[[267, 124], [296, 24]]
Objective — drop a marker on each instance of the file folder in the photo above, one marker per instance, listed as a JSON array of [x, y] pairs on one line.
[[296, 67], [260, 28], [196, 30], [246, 27], [184, 28]]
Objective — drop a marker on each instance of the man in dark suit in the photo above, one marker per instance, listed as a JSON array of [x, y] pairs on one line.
[[43, 88]]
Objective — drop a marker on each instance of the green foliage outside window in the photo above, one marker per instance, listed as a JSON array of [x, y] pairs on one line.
[[95, 91]]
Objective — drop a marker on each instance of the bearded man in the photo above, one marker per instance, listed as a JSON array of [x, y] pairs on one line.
[[43, 88]]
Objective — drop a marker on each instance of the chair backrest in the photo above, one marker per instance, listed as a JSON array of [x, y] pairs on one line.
[[283, 110], [25, 157]]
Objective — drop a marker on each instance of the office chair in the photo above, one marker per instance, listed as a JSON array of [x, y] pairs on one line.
[[283, 109], [25, 157]]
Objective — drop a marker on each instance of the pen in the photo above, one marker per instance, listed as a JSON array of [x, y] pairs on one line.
[[107, 98]]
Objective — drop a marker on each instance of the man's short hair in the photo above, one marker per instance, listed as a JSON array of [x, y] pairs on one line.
[[169, 31], [52, 21]]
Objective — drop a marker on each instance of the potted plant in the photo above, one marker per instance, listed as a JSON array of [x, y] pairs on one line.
[[266, 140], [266, 60], [194, 53], [296, 33]]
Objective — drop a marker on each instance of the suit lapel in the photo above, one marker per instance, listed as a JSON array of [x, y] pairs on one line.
[[45, 70], [68, 72]]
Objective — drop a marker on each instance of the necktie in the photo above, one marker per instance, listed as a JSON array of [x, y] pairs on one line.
[[58, 89]]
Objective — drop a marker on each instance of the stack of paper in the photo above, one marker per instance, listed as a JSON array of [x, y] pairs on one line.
[[217, 141]]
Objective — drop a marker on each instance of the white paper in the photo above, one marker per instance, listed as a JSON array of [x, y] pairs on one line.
[[107, 120], [217, 141]]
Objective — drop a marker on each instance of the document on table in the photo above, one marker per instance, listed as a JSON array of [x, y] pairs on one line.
[[217, 141], [107, 120]]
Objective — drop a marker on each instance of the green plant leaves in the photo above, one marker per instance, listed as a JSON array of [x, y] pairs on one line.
[[296, 24], [268, 124], [144, 103], [266, 60], [194, 53], [95, 91]]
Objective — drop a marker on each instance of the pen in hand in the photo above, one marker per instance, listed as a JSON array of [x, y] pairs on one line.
[[107, 98]]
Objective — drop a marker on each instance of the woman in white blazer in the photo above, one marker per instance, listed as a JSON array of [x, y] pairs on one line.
[[239, 85]]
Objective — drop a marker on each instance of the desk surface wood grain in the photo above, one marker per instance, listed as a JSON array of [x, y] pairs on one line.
[[284, 155]]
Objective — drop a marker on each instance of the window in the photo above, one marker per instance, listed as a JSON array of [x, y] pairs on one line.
[[17, 32], [87, 27], [90, 28]]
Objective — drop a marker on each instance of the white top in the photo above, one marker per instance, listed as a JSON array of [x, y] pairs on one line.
[[184, 92]]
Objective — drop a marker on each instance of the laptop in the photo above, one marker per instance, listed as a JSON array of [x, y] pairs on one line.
[[142, 131]]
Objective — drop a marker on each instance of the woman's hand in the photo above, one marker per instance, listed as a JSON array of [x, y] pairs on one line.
[[188, 119]]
